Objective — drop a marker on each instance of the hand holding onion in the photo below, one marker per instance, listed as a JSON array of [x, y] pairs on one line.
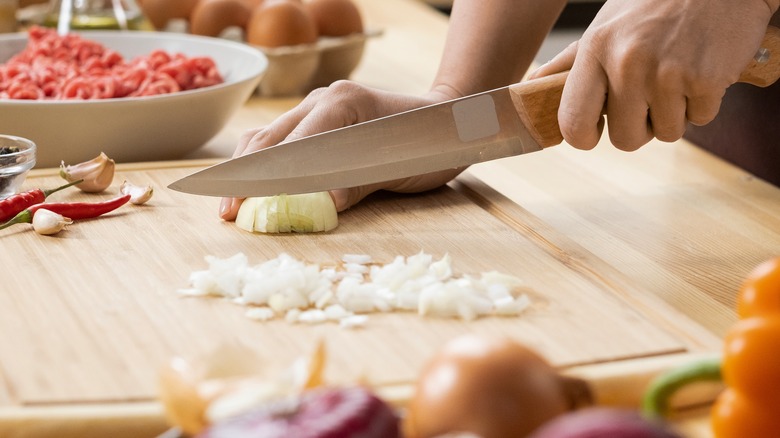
[[342, 104]]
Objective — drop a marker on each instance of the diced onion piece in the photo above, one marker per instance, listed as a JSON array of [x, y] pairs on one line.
[[353, 321], [301, 292], [301, 213], [261, 313], [358, 259]]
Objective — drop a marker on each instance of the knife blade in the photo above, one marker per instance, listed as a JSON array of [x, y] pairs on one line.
[[508, 121]]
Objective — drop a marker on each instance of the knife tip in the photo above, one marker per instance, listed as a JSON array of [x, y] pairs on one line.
[[177, 186]]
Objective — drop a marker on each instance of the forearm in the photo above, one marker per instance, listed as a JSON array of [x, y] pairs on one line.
[[492, 43]]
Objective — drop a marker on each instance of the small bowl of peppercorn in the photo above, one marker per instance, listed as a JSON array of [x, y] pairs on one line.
[[17, 157]]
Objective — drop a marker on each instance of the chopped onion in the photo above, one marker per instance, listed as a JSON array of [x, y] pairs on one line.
[[303, 213], [301, 292]]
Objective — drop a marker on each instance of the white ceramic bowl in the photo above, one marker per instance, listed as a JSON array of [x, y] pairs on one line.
[[137, 128]]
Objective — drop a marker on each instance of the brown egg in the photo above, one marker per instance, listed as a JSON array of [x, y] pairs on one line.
[[335, 17], [211, 17], [277, 23], [160, 12]]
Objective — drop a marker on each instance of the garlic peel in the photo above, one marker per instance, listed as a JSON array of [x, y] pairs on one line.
[[47, 222], [97, 174], [138, 194]]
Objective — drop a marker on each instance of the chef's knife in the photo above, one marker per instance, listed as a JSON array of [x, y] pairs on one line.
[[508, 121]]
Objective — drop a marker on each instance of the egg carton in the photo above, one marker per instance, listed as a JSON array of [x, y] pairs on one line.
[[296, 70]]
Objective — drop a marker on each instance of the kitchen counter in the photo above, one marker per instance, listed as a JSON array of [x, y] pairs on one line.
[[630, 256]]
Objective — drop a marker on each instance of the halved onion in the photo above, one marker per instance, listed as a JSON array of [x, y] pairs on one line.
[[302, 213]]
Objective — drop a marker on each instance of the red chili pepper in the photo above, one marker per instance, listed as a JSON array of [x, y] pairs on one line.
[[72, 210], [13, 205]]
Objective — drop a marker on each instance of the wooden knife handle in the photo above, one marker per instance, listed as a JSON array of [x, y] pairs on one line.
[[764, 68], [537, 100]]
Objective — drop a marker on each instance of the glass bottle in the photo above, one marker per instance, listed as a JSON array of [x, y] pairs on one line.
[[95, 15]]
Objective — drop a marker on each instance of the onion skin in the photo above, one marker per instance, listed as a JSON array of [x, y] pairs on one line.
[[184, 404], [604, 423], [329, 412], [494, 388]]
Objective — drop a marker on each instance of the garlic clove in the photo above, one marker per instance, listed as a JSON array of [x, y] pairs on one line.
[[138, 194], [47, 222], [97, 174]]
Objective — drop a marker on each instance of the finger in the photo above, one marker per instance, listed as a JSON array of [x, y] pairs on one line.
[[563, 61], [667, 112], [344, 103], [228, 208], [629, 122], [582, 103], [346, 198], [667, 119], [243, 141], [703, 109], [281, 127], [628, 117]]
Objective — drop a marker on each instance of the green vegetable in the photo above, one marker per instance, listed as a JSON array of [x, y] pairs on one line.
[[655, 403], [303, 213]]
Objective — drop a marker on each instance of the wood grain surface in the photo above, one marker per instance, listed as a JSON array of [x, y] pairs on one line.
[[94, 311], [91, 314]]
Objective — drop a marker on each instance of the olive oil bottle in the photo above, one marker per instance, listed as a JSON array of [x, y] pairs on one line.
[[96, 15]]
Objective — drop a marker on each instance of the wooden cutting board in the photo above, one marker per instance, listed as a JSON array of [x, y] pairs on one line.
[[88, 316]]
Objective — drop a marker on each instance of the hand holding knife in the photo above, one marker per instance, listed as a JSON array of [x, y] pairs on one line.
[[508, 121]]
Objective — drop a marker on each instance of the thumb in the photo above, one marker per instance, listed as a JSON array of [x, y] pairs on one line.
[[563, 61]]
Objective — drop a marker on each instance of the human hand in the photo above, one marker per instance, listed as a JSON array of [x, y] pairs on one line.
[[656, 65], [342, 104]]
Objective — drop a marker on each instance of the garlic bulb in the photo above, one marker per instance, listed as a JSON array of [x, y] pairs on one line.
[[96, 174], [48, 222]]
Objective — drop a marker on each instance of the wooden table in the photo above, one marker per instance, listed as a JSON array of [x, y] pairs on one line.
[[631, 256]]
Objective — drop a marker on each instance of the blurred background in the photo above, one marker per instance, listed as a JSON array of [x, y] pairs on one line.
[[572, 22]]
